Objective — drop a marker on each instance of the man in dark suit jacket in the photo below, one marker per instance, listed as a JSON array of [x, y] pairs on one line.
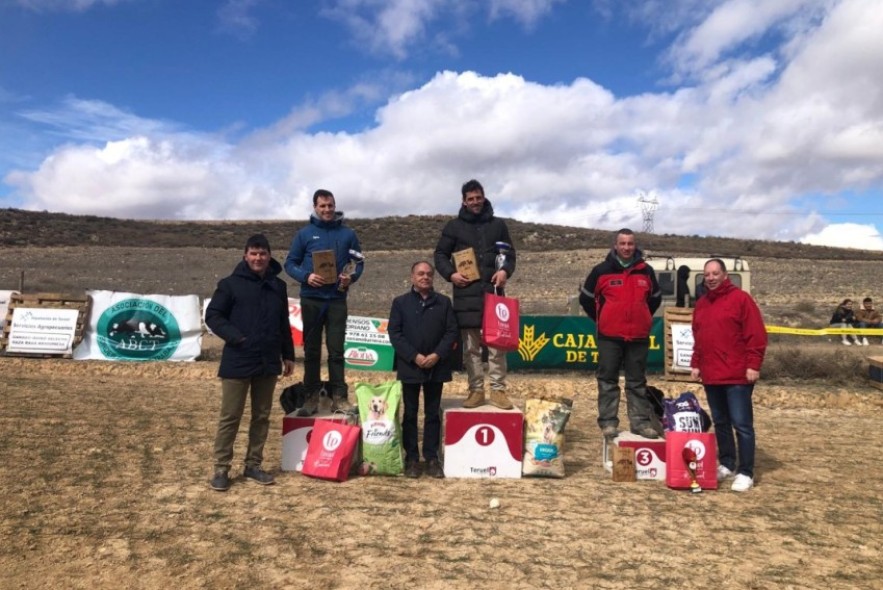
[[422, 329]]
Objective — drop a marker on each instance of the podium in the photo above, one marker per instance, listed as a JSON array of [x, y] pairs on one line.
[[296, 432], [649, 454], [483, 442]]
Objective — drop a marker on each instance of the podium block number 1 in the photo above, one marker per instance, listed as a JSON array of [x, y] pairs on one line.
[[485, 435]]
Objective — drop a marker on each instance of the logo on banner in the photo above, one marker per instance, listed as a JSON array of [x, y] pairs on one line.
[[530, 345], [138, 329], [364, 357]]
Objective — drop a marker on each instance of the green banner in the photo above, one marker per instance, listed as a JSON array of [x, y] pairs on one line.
[[367, 346], [570, 342]]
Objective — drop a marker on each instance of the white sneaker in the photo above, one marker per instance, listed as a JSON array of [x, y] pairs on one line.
[[865, 342], [723, 473], [847, 343], [742, 483]]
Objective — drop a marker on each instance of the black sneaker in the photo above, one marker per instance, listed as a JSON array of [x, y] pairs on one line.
[[412, 469], [221, 481], [434, 469], [258, 475]]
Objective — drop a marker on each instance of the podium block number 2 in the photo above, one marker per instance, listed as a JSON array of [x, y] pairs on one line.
[[485, 435]]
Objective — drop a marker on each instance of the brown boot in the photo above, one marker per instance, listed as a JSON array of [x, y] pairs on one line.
[[475, 399], [499, 399]]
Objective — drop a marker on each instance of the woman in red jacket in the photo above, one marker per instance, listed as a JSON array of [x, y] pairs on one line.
[[729, 342]]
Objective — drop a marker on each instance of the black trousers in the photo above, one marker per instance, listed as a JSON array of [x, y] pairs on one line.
[[432, 392]]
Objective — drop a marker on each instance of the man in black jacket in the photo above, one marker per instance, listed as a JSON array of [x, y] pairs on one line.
[[249, 312], [476, 227], [422, 329]]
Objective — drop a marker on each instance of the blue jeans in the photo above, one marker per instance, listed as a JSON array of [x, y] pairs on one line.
[[731, 409]]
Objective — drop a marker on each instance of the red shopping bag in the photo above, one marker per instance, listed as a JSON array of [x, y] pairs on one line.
[[704, 449], [500, 326], [331, 449]]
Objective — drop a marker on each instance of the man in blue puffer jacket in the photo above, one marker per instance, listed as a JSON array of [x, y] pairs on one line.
[[249, 312], [323, 303]]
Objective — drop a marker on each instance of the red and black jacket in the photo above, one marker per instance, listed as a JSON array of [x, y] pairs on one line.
[[620, 299]]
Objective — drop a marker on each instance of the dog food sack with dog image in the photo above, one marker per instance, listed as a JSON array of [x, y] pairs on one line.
[[544, 422], [381, 431]]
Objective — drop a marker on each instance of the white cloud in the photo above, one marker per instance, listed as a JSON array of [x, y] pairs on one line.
[[750, 136], [847, 235], [397, 27]]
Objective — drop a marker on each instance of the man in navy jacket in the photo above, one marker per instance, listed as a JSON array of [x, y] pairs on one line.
[[422, 330], [249, 312], [323, 304]]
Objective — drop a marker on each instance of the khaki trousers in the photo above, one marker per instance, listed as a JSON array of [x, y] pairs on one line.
[[233, 394], [496, 362]]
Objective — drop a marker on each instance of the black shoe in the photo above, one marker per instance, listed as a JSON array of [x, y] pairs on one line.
[[434, 469], [258, 475], [221, 481], [412, 469], [646, 432]]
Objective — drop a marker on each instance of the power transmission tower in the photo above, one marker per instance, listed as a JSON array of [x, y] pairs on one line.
[[648, 206]]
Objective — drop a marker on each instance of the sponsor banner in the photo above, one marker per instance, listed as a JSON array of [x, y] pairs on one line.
[[132, 327], [367, 344], [42, 330], [570, 342], [5, 296], [681, 346]]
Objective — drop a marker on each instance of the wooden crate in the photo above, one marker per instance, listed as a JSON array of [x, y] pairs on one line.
[[875, 371], [675, 315], [81, 302]]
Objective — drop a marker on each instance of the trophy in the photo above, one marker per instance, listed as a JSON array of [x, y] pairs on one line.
[[349, 268], [690, 459], [502, 249]]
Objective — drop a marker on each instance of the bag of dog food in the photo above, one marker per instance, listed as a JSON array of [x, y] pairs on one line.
[[381, 431], [544, 422], [685, 414]]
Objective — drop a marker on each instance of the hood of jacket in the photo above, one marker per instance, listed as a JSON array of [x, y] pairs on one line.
[[336, 222], [722, 290], [486, 213], [638, 257], [242, 270]]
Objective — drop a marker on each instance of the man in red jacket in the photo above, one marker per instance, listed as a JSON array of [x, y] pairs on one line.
[[729, 343], [621, 294]]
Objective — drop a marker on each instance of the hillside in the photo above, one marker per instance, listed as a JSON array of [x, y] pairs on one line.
[[412, 232]]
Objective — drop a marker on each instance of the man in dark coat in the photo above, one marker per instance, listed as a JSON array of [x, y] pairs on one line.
[[621, 294], [423, 330], [476, 227], [249, 312]]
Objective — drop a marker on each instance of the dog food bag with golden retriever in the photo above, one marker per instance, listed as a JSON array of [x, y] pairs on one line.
[[381, 430], [544, 422]]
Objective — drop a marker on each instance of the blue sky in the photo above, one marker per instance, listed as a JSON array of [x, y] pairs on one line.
[[742, 118]]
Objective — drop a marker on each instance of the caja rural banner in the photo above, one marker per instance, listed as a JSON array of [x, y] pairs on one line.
[[570, 342], [132, 327]]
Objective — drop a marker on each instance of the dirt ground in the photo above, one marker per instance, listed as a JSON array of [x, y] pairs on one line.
[[106, 465], [105, 485]]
